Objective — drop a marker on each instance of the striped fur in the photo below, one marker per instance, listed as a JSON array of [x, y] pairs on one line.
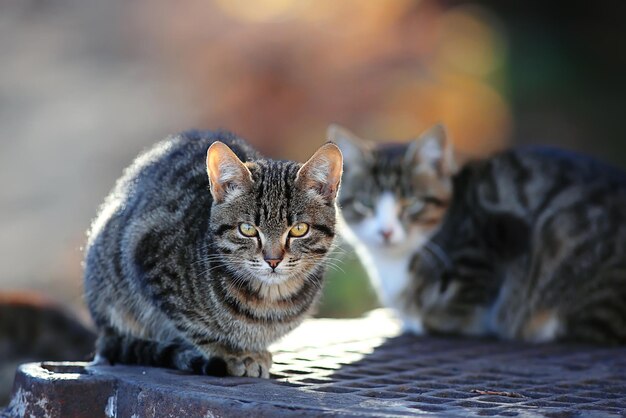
[[533, 248], [170, 280]]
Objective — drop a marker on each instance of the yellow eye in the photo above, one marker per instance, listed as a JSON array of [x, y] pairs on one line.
[[299, 230], [248, 230]]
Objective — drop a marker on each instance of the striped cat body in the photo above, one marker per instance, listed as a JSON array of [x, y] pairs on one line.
[[199, 261], [533, 247], [529, 244]]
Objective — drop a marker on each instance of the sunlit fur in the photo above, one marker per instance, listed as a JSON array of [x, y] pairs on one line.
[[171, 281], [393, 199]]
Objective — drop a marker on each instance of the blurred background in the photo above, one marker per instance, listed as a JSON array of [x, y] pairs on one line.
[[85, 85]]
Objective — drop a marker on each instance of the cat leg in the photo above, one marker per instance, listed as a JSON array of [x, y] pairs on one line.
[[238, 362], [413, 325], [99, 360], [208, 359], [543, 326], [243, 363], [114, 349]]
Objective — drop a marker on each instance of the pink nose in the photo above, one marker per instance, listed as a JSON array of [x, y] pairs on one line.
[[273, 262], [386, 233]]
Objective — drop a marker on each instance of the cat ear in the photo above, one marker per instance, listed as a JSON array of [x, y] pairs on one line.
[[228, 176], [322, 173], [433, 150], [355, 151]]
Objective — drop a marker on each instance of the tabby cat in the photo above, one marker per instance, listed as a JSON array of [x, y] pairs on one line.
[[529, 244], [199, 260]]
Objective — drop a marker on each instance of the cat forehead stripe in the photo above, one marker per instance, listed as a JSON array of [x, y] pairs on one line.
[[274, 182]]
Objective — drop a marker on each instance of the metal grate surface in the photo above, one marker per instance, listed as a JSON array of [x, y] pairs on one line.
[[360, 368], [471, 377]]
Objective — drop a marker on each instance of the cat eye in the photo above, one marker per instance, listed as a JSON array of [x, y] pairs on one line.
[[415, 207], [433, 201], [248, 230], [299, 230]]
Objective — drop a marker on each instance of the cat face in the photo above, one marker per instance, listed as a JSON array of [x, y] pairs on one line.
[[273, 220], [394, 196]]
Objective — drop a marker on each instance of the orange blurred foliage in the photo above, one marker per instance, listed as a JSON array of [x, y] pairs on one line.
[[278, 72]]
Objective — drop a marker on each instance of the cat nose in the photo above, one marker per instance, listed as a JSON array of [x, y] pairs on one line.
[[273, 262], [386, 233]]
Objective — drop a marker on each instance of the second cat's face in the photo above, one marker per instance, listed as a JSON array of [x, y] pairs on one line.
[[274, 220], [394, 196]]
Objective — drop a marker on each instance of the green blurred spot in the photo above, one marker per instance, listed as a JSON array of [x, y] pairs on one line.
[[347, 293]]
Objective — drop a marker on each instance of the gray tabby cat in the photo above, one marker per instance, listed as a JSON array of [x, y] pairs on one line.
[[529, 244], [199, 260]]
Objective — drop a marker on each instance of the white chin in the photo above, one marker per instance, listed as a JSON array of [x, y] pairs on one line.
[[272, 278]]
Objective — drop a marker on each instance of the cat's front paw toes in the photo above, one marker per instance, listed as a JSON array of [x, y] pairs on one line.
[[250, 364], [100, 360], [413, 326]]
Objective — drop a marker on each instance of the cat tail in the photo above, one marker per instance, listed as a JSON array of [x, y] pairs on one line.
[[171, 354]]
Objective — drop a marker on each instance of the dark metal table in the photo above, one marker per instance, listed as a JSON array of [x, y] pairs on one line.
[[348, 368]]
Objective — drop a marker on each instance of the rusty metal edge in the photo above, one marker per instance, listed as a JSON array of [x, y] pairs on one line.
[[40, 392]]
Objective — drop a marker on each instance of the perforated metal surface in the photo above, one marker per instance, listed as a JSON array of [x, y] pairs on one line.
[[362, 368], [449, 374]]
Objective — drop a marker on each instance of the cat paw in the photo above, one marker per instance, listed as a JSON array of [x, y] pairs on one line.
[[413, 326], [249, 364], [99, 360]]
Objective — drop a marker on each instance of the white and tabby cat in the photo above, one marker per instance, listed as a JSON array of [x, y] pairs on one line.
[[528, 244], [393, 199]]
